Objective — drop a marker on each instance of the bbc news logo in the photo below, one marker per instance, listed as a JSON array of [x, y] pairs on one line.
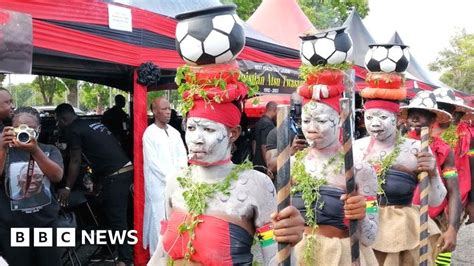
[[66, 237]]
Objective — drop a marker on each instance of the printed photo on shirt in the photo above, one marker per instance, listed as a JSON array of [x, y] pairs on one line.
[[28, 198]]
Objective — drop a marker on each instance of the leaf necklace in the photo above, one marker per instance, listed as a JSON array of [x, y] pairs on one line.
[[309, 187], [383, 165], [450, 136], [197, 194]]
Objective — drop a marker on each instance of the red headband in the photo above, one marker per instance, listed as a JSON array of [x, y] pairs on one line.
[[382, 104], [224, 113]]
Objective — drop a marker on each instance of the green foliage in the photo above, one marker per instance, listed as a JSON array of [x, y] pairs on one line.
[[22, 94], [306, 70], [93, 97], [196, 196], [48, 87], [382, 166], [323, 14], [450, 136], [2, 78], [457, 62], [188, 84], [245, 8]]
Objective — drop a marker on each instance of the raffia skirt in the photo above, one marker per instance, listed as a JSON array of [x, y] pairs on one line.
[[398, 237], [333, 252]]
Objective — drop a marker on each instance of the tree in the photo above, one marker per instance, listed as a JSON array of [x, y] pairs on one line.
[[94, 97], [22, 94], [71, 85], [2, 78], [456, 63], [48, 87], [322, 13]]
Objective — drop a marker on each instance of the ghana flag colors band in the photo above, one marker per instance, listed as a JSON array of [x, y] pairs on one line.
[[450, 172], [470, 152], [265, 235], [371, 204]]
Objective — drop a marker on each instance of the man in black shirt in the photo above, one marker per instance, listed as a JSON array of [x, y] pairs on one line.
[[262, 128], [117, 121], [107, 160], [6, 106]]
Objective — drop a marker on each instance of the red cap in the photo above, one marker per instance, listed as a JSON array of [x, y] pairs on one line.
[[224, 113], [390, 106]]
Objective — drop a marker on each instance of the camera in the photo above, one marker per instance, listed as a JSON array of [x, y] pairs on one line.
[[24, 133], [295, 115]]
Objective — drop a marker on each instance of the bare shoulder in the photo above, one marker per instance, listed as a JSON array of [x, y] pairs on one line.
[[360, 145], [257, 182]]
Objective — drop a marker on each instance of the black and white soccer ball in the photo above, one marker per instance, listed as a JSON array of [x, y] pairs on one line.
[[444, 94], [331, 47], [425, 99], [387, 58], [208, 39]]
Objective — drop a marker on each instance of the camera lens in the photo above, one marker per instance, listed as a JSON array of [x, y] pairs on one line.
[[23, 137]]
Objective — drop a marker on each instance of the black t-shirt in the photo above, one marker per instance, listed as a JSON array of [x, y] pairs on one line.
[[116, 120], [272, 137], [100, 147], [39, 207], [262, 128]]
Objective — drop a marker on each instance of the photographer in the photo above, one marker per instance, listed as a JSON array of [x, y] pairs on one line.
[[25, 196]]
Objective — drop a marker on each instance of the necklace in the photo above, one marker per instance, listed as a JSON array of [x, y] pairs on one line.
[[196, 196], [450, 136], [383, 165]]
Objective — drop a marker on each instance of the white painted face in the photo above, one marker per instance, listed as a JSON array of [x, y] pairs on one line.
[[381, 124], [320, 124], [208, 141]]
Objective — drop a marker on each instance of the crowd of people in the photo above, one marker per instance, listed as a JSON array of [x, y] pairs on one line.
[[389, 221]]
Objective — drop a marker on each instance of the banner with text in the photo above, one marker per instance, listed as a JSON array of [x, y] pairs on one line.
[[270, 78]]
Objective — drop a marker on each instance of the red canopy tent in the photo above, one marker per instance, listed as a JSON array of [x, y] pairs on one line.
[[72, 39]]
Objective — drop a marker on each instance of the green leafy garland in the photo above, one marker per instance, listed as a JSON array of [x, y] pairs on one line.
[[196, 196], [382, 166], [309, 188], [450, 136], [187, 82], [307, 70]]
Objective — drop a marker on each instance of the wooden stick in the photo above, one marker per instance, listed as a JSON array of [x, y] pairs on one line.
[[347, 133], [424, 188], [283, 176]]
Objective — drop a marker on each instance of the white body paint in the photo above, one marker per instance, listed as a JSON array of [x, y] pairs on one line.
[[381, 126], [320, 125], [252, 197], [207, 141]]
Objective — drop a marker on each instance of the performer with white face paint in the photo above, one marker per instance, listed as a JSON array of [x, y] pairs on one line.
[[397, 161], [319, 191], [214, 207]]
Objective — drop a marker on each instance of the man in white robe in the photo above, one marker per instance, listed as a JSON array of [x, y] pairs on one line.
[[163, 154]]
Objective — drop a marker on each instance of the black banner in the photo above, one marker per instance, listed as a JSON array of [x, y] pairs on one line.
[[16, 42], [271, 78]]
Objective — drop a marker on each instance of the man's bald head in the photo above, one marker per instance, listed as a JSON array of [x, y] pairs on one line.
[[161, 110], [271, 110]]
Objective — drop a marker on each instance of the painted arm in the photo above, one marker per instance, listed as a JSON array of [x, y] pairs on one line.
[[271, 160], [265, 204], [367, 186], [437, 191]]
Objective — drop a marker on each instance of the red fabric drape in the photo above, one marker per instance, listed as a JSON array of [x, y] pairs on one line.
[[139, 126]]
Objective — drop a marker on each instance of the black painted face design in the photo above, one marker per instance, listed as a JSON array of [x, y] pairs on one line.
[[320, 124]]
